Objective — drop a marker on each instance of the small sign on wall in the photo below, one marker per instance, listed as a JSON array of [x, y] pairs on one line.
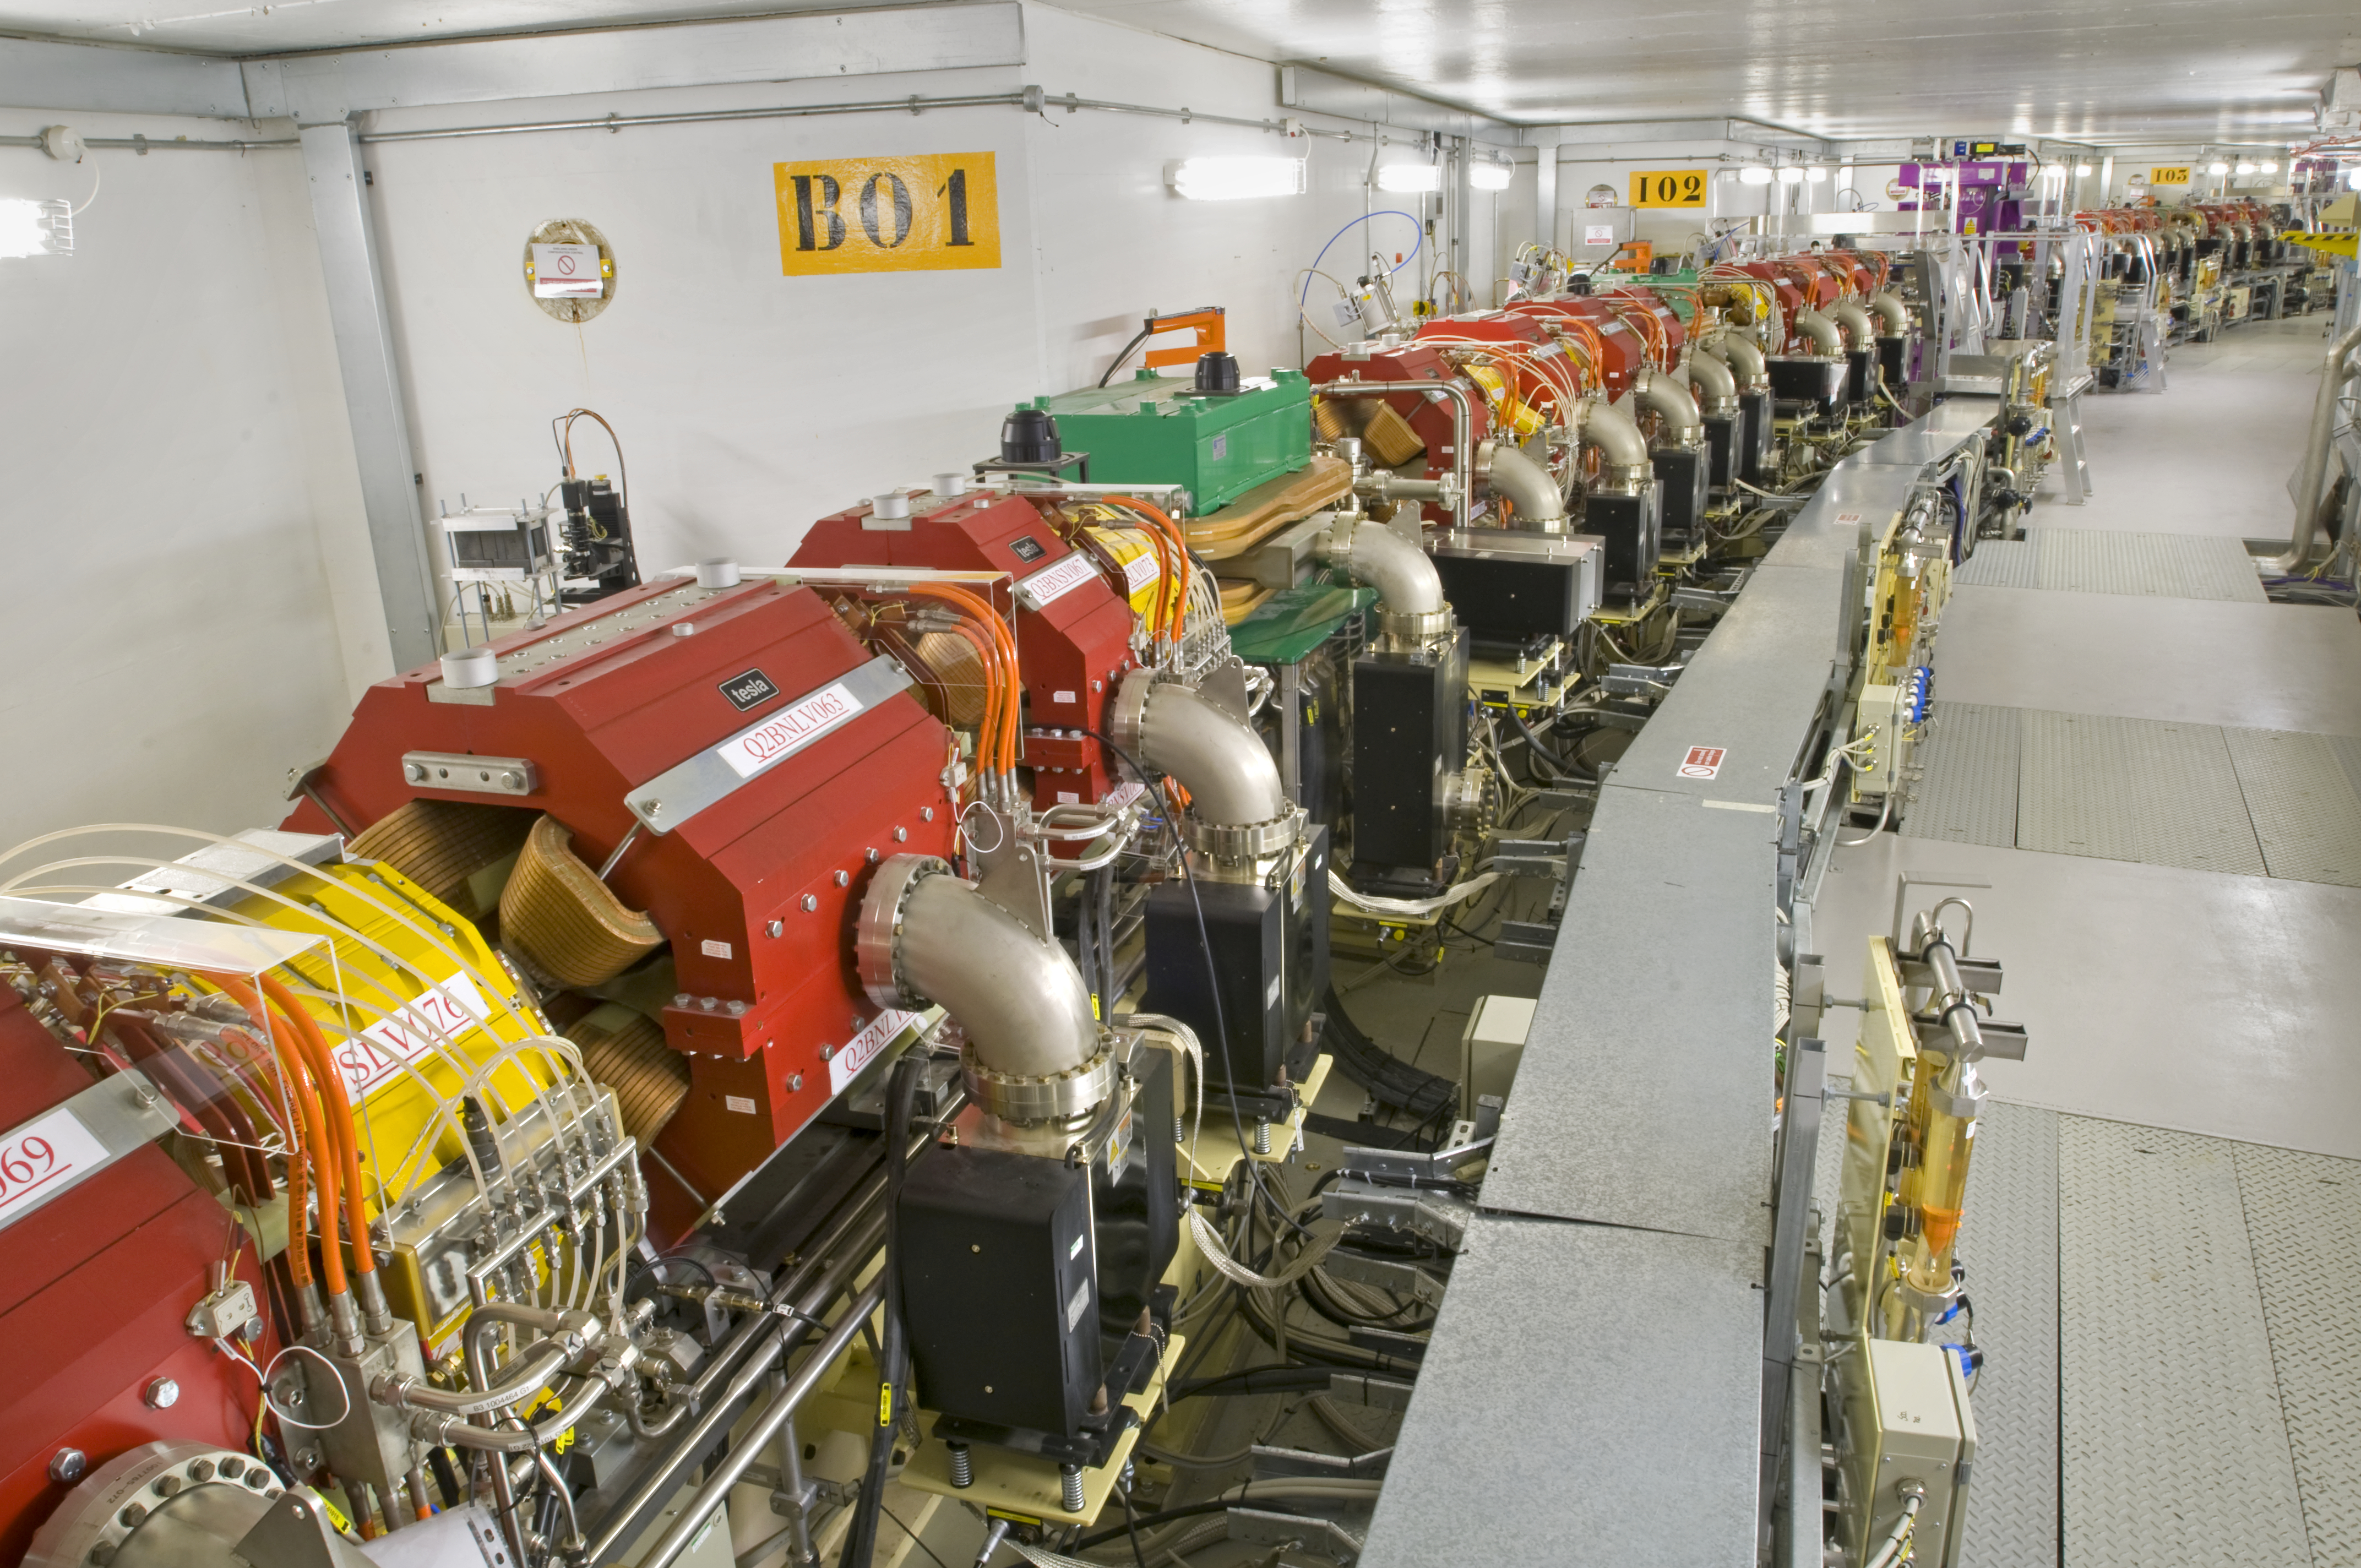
[[1597, 234], [1668, 187], [928, 212]]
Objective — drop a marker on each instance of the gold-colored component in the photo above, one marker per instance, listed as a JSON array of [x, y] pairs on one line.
[[624, 1049], [459, 853], [1389, 437], [558, 914]]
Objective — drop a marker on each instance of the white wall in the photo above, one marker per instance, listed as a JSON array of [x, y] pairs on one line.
[[165, 609], [751, 403]]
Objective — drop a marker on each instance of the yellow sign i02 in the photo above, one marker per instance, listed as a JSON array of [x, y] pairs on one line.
[[930, 211], [1668, 187]]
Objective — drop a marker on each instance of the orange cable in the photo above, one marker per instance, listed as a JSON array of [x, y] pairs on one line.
[[334, 1101]]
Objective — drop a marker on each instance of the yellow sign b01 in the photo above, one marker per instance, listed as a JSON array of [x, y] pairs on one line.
[[928, 212]]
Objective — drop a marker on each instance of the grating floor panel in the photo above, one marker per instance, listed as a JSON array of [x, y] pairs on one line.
[[2131, 789], [2348, 753], [2173, 1445], [2161, 565], [1967, 792], [2306, 813], [2303, 1223], [2010, 1247], [1999, 563]]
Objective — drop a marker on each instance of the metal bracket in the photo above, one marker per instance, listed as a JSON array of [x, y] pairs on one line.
[[1264, 1527], [465, 770], [1402, 1278], [2005, 1041], [1377, 1393], [1297, 1464], [1980, 976], [1437, 1216], [1404, 1167], [1536, 856], [1525, 941], [1638, 680]]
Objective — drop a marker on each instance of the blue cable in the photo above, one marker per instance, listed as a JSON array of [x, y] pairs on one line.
[[1418, 228]]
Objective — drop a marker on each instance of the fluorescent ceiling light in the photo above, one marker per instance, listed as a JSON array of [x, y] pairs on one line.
[[35, 228], [1814, 173], [2217, 166], [2270, 165], [1487, 175], [1410, 177], [1791, 174], [2246, 169], [1755, 174], [2084, 171], [1235, 179]]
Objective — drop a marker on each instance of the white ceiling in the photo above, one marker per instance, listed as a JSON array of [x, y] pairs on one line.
[[2104, 69]]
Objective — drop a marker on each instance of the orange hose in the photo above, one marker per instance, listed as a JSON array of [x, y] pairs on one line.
[[338, 1107], [1005, 760], [293, 1070], [1178, 579]]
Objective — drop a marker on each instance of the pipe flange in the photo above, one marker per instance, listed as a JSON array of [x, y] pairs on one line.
[[1127, 711], [1414, 626], [101, 1513], [877, 933], [1622, 478], [1012, 1097], [1239, 843]]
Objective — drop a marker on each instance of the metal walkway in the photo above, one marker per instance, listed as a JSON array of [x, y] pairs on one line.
[[2172, 1326], [2248, 802], [2106, 561]]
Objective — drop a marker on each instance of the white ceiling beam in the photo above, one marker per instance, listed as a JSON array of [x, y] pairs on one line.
[[1325, 92], [37, 73], [313, 88]]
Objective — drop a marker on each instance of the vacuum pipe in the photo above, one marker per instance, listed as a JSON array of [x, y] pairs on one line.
[[1462, 426], [1540, 505], [1683, 427], [1018, 997], [1820, 330], [1404, 575], [1710, 381]]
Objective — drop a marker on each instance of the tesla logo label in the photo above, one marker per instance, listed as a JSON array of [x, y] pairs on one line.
[[1702, 762], [749, 690], [788, 730]]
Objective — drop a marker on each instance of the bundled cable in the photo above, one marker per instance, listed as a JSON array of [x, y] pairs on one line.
[[1395, 1083]]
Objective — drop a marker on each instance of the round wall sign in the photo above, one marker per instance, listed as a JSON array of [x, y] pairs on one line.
[[569, 269]]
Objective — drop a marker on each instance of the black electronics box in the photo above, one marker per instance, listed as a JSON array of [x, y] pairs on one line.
[[1721, 439], [1135, 1194], [1509, 599], [1684, 476], [1632, 526], [1269, 945], [1754, 442], [1409, 726], [1892, 358], [999, 1288], [1814, 378], [1861, 376]]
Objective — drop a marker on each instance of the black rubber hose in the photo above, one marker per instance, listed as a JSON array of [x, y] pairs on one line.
[[1395, 1083], [892, 1360]]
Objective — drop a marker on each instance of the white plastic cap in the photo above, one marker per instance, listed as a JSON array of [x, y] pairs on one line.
[[950, 484], [471, 667], [892, 503], [716, 572]]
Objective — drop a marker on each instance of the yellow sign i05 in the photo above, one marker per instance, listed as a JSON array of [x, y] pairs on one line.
[[1668, 187], [2177, 174], [931, 212]]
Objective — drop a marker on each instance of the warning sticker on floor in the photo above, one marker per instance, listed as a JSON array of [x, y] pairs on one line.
[[1702, 762]]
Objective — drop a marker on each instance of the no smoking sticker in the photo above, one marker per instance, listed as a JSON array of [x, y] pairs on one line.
[[1702, 762]]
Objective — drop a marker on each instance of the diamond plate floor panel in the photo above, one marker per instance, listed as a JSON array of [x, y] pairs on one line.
[[1967, 792], [2133, 789], [1999, 563], [2175, 1450], [2303, 1222], [2348, 752], [2305, 810], [2009, 1246], [2157, 565]]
